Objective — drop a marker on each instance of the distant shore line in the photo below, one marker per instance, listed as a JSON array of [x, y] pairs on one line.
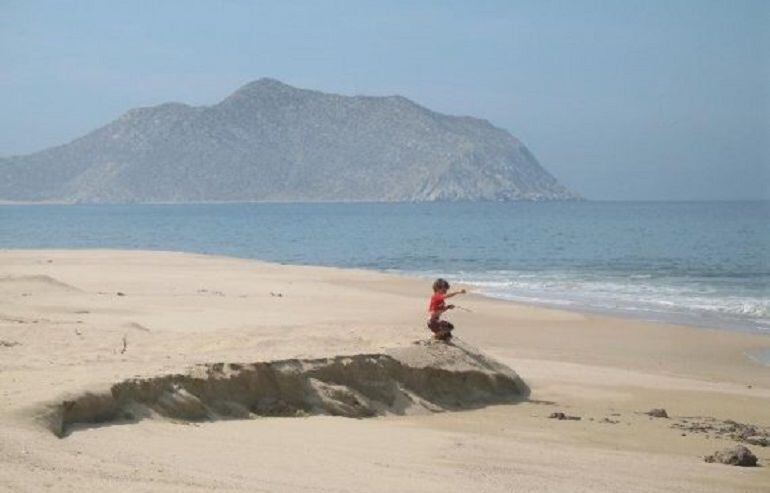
[[617, 314], [330, 201], [522, 201]]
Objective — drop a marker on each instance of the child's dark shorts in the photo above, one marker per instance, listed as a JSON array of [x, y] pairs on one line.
[[441, 328]]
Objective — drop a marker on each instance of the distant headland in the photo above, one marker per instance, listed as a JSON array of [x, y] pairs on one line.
[[269, 141]]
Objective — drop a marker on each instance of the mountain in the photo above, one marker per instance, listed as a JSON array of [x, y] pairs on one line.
[[269, 141]]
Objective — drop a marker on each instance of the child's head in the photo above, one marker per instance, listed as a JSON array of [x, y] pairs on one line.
[[440, 286]]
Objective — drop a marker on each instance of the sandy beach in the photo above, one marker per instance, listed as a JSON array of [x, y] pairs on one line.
[[79, 321]]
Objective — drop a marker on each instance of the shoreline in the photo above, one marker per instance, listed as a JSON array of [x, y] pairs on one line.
[[686, 201], [687, 320], [627, 314], [320, 201], [679, 319], [603, 316], [73, 321], [680, 282]]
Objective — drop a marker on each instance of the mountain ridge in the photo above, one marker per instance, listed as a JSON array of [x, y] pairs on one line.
[[269, 141]]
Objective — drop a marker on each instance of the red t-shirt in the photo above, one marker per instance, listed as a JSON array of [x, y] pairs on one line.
[[436, 302]]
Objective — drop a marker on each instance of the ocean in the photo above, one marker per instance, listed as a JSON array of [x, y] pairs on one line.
[[700, 263]]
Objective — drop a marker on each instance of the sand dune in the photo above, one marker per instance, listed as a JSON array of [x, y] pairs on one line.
[[423, 378]]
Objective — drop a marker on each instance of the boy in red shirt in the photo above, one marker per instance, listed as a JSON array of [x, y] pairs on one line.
[[442, 330]]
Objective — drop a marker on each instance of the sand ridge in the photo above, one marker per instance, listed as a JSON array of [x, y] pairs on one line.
[[425, 377], [35, 284]]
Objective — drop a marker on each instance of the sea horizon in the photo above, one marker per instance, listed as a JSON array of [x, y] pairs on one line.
[[353, 201]]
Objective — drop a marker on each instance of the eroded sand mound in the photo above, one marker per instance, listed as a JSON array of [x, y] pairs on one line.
[[39, 284], [425, 377]]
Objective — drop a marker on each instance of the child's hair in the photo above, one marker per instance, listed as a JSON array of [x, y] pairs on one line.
[[440, 284]]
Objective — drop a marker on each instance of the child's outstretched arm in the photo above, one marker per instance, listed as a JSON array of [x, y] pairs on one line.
[[454, 293]]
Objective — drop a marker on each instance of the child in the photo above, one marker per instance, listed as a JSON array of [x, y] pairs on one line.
[[442, 330]]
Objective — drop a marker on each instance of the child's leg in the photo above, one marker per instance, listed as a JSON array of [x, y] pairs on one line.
[[442, 330], [445, 330]]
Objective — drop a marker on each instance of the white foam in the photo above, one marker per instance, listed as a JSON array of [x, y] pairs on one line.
[[684, 300]]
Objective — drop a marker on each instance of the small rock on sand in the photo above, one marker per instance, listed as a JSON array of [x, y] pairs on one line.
[[657, 413], [733, 456], [561, 416]]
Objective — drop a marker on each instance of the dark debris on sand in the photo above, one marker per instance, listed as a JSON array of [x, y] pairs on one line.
[[561, 416], [733, 456], [733, 430]]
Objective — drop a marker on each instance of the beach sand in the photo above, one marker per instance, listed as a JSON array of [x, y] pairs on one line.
[[73, 322]]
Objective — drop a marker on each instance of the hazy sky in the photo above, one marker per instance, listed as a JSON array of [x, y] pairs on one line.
[[619, 99]]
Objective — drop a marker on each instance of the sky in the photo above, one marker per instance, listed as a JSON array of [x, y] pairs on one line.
[[620, 100]]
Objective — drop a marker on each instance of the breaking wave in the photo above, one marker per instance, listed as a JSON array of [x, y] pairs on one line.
[[679, 300]]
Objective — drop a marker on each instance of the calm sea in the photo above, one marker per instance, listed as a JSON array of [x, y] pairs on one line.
[[701, 263]]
